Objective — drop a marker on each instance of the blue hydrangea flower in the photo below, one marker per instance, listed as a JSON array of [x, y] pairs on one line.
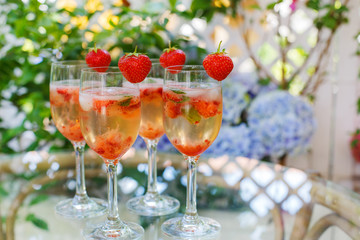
[[283, 123], [232, 141], [235, 100]]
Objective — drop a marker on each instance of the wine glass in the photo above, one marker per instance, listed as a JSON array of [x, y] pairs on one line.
[[110, 121], [65, 111], [192, 120], [151, 129]]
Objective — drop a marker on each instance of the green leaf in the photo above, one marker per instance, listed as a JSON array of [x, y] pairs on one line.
[[313, 4], [255, 7], [177, 91], [125, 103], [3, 192], [172, 3], [192, 115], [329, 21], [358, 105], [354, 143], [39, 198], [272, 5], [37, 221], [264, 81]]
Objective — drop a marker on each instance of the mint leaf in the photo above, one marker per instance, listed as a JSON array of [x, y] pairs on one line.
[[177, 91], [192, 115], [126, 102], [37, 199], [37, 221]]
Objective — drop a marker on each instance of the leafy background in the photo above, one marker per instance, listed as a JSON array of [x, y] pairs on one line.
[[34, 33]]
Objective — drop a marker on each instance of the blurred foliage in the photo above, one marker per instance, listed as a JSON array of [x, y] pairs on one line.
[[327, 17], [34, 34]]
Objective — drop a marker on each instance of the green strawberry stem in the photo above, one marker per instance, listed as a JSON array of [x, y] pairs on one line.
[[170, 48], [94, 48], [135, 53], [218, 50]]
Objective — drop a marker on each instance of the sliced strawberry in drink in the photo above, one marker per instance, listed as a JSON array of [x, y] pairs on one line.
[[72, 131], [130, 108], [173, 95], [191, 150], [172, 110], [65, 93], [150, 131], [75, 95], [112, 145], [149, 94], [56, 99], [99, 104], [206, 108]]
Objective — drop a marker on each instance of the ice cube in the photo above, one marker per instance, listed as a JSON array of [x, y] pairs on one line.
[[85, 102]]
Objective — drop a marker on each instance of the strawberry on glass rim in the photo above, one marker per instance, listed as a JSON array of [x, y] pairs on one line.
[[218, 65], [172, 57], [98, 59], [135, 66]]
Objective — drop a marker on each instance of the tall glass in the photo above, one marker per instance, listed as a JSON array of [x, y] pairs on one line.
[[151, 129], [192, 120], [110, 121], [65, 111]]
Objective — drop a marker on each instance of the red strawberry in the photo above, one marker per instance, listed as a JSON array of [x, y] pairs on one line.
[[172, 57], [173, 95], [218, 65], [206, 108], [98, 58], [65, 93], [135, 66], [172, 110]]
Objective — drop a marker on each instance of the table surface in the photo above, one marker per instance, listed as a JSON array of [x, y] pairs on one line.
[[250, 199]]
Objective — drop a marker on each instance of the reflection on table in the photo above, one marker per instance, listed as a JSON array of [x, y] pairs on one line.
[[250, 199]]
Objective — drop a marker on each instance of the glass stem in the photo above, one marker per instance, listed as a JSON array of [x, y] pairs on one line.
[[152, 171], [113, 218], [80, 196], [191, 216]]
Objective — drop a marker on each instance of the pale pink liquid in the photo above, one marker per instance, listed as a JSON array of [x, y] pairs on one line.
[[192, 117], [151, 126], [65, 108], [110, 120]]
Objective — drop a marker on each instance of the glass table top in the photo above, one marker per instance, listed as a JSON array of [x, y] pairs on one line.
[[250, 199]]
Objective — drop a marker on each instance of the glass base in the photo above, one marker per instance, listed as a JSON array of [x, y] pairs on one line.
[[153, 205], [206, 228], [88, 208], [127, 231]]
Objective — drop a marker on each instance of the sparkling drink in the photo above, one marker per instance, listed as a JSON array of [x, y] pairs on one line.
[[192, 117], [152, 203], [65, 111], [65, 108], [110, 120], [192, 120], [151, 126]]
